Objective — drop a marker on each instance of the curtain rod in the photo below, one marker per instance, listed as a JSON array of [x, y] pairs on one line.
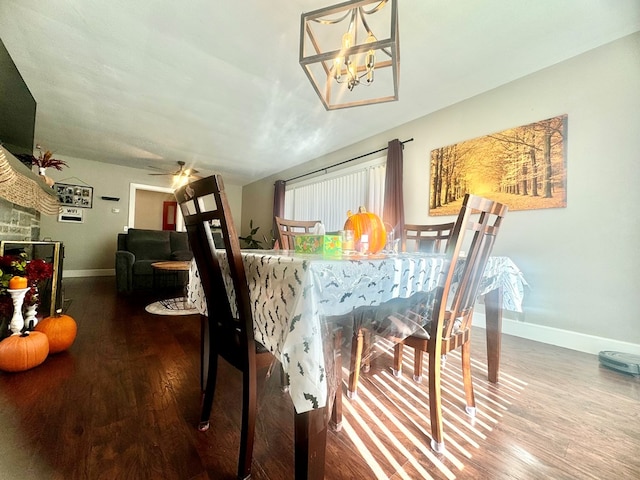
[[345, 161]]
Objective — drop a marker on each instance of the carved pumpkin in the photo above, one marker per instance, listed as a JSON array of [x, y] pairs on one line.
[[21, 352], [61, 331], [370, 224]]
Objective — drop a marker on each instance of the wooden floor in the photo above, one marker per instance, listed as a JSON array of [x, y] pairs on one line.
[[123, 403]]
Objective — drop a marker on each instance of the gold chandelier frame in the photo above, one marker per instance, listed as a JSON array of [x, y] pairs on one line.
[[342, 72]]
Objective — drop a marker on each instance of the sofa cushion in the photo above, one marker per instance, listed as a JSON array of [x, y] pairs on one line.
[[149, 244], [143, 267], [179, 241], [182, 255]]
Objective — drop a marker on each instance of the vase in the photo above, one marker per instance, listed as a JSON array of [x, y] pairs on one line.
[[48, 180], [17, 321], [30, 319]]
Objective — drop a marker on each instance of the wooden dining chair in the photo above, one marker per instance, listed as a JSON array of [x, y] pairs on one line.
[[426, 238], [447, 315], [288, 229], [224, 334]]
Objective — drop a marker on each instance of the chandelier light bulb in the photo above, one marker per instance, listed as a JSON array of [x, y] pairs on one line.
[[352, 68], [337, 68], [371, 56], [370, 59], [347, 41]]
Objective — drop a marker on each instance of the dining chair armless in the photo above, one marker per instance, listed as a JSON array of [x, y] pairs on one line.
[[426, 238], [227, 333], [288, 229], [446, 317]]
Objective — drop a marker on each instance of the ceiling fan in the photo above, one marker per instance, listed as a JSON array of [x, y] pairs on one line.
[[181, 172]]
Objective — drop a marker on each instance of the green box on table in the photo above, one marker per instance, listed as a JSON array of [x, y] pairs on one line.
[[324, 244]]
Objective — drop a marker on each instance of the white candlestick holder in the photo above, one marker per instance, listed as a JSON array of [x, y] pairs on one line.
[[17, 320]]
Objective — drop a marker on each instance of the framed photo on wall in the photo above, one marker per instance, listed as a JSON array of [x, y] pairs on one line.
[[79, 196]]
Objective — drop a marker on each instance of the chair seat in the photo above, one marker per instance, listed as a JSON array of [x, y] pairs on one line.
[[397, 318], [229, 347], [261, 348]]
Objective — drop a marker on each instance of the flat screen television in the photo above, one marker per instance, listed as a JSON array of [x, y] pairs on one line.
[[17, 108]]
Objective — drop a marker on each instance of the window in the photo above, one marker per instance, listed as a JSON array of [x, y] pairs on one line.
[[328, 198]]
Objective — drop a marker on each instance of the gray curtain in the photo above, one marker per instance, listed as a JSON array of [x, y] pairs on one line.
[[393, 212], [278, 203]]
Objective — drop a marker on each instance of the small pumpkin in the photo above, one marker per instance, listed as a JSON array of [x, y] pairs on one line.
[[23, 351], [61, 330], [370, 224]]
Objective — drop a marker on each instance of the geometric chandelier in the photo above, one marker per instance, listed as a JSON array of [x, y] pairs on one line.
[[351, 52]]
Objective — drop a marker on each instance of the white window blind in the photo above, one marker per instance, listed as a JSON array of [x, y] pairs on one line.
[[328, 198]]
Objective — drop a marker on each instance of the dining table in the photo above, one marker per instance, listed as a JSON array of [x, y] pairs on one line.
[[299, 300]]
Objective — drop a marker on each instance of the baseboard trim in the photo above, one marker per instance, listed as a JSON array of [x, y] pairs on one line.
[[560, 338], [107, 272]]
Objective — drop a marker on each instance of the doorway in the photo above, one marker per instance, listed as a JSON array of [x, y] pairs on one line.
[[139, 190]]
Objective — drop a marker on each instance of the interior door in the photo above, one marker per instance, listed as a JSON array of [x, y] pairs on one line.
[[169, 215]]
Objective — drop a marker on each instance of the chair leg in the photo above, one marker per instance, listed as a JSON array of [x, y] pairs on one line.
[[249, 407], [209, 373], [207, 398], [366, 351], [336, 412], [356, 361], [470, 408], [435, 403], [284, 380], [205, 342], [417, 364], [398, 351]]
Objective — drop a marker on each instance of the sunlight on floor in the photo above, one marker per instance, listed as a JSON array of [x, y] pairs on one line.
[[392, 414]]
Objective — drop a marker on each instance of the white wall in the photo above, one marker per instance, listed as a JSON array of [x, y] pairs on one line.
[[582, 262], [90, 246]]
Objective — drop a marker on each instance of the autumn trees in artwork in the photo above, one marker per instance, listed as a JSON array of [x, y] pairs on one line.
[[523, 167]]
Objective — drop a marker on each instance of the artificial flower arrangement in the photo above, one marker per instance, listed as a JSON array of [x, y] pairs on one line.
[[35, 271], [44, 160]]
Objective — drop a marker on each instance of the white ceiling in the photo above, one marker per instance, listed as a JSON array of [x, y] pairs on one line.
[[218, 85]]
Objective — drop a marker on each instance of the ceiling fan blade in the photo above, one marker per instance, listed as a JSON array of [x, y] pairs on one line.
[[181, 171]]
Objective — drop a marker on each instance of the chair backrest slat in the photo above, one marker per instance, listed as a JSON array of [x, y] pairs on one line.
[[288, 229], [426, 238]]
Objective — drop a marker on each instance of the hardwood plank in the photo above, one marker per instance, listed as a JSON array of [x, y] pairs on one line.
[[124, 401]]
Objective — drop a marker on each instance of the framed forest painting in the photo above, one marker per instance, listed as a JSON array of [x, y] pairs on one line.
[[522, 167]]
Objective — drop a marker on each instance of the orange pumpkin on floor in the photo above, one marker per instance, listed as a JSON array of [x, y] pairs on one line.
[[61, 331], [370, 224], [23, 351]]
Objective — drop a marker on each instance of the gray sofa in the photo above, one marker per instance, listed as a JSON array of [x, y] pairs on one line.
[[139, 248]]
